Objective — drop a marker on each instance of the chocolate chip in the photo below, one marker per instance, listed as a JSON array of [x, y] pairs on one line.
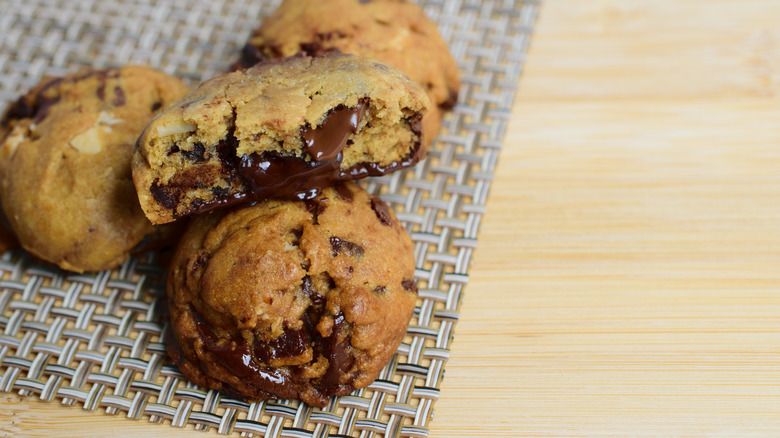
[[220, 192], [344, 192], [379, 290], [297, 232], [168, 197], [308, 288], [156, 106], [250, 55], [44, 107], [174, 149], [34, 106], [452, 99], [339, 245], [409, 285], [316, 207], [119, 97], [226, 151], [200, 261], [381, 210], [197, 154], [101, 90], [196, 203], [331, 281]]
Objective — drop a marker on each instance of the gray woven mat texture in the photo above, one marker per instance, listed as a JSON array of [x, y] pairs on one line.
[[94, 341]]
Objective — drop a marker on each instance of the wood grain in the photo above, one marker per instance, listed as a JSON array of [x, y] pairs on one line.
[[627, 281]]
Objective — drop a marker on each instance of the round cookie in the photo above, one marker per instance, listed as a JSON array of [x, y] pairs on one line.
[[396, 32], [291, 299], [283, 128], [65, 152]]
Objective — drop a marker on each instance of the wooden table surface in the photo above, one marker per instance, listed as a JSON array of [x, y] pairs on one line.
[[627, 281]]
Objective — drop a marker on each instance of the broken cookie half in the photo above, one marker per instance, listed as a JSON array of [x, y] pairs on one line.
[[281, 129]]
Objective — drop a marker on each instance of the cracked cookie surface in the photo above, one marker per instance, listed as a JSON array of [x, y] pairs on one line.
[[393, 31], [65, 152], [282, 128], [291, 299]]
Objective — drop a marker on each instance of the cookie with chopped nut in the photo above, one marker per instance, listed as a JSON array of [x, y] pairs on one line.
[[393, 31], [284, 128], [65, 152], [291, 299]]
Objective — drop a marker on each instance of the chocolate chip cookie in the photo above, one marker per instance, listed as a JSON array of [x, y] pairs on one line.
[[282, 128], [393, 31], [291, 299], [65, 152]]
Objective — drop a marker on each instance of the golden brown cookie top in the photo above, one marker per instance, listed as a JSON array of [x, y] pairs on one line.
[[65, 157], [393, 31]]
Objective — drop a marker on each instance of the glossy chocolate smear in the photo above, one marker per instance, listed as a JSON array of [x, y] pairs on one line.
[[339, 359], [326, 141], [236, 355], [292, 342], [269, 175]]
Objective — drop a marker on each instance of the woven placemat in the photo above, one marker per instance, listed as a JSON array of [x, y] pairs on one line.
[[95, 340]]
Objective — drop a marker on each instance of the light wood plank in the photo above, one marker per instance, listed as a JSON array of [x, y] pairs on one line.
[[627, 280], [627, 49]]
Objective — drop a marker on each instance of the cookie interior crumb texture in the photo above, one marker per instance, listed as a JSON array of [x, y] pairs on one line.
[[283, 129], [396, 32], [292, 299], [65, 153]]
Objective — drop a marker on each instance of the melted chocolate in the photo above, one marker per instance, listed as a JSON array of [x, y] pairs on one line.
[[236, 356], [226, 151], [292, 342], [327, 140], [338, 355], [272, 175]]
